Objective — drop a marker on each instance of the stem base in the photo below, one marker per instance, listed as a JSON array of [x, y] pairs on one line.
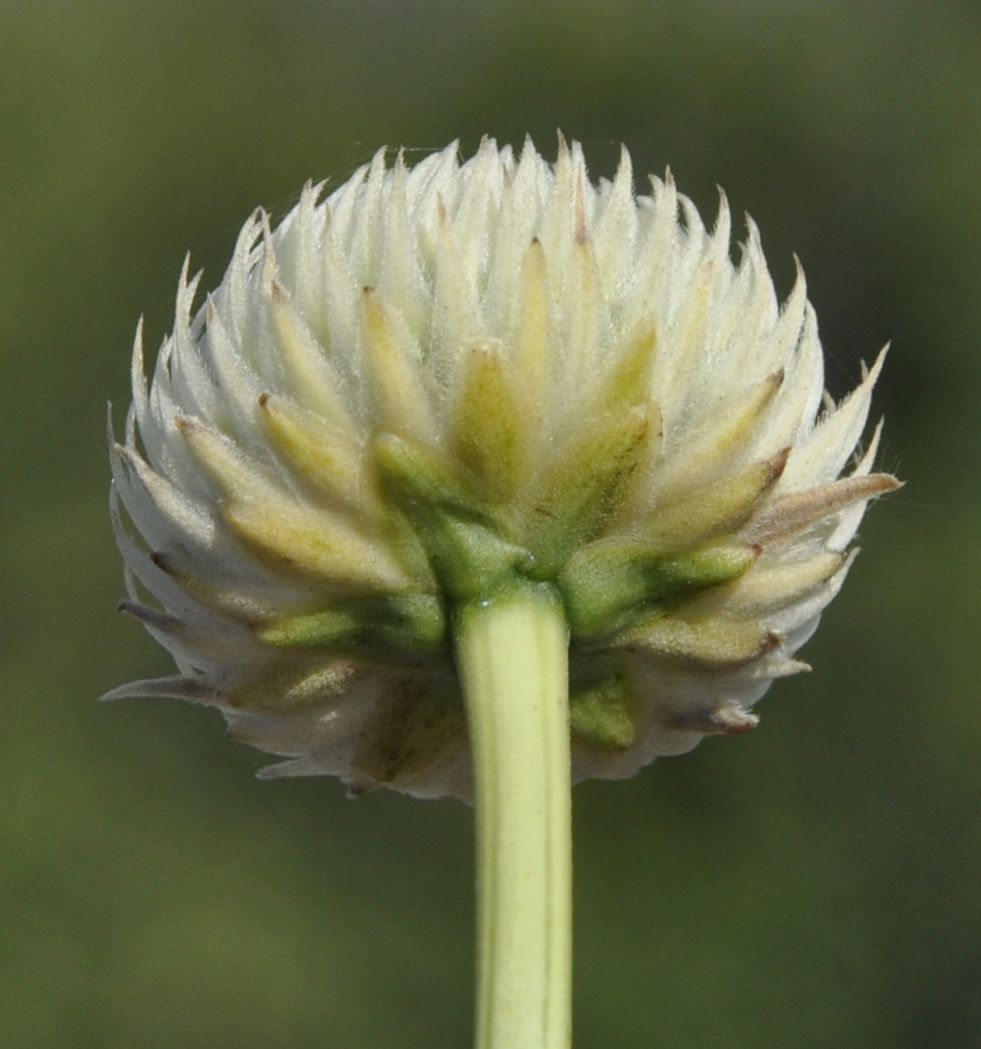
[[512, 655]]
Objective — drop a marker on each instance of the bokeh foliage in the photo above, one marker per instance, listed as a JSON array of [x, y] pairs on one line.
[[812, 885]]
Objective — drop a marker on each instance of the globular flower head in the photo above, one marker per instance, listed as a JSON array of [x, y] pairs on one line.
[[431, 381]]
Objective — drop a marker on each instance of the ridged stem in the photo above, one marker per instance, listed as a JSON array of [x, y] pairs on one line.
[[512, 655]]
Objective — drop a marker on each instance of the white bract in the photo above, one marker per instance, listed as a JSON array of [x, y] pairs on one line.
[[432, 383]]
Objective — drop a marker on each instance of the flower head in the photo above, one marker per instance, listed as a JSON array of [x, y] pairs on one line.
[[436, 380]]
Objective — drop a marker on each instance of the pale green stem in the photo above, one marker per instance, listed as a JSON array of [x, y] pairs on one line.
[[512, 654]]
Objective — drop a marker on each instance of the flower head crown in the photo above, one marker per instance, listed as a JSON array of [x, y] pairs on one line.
[[435, 381]]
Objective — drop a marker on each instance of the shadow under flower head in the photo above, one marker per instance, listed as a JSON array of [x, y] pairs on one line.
[[432, 381]]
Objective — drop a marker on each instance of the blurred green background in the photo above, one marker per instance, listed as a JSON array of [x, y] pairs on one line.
[[812, 885]]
